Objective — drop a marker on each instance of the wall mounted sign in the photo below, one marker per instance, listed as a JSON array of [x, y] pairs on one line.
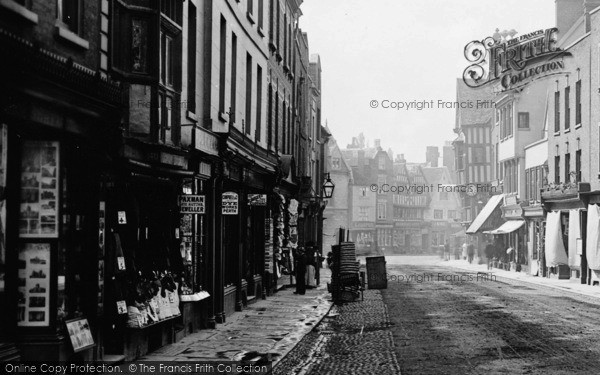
[[122, 217], [33, 291], [192, 204], [514, 62], [39, 190], [229, 203], [80, 334], [257, 200]]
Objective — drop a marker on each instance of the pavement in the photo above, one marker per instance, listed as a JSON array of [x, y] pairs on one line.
[[265, 330]]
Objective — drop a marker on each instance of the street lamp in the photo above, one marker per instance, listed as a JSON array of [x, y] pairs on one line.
[[328, 187]]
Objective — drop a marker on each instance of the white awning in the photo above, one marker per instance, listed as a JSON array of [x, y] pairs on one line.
[[508, 227], [490, 206]]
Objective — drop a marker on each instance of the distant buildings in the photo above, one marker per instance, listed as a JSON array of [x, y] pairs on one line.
[[392, 206]]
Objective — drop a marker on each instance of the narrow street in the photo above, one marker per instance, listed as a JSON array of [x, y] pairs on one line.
[[438, 326]]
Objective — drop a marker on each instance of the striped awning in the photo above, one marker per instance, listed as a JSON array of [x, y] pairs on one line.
[[490, 206]]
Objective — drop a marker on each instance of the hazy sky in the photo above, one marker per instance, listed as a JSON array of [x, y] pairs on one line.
[[403, 51]]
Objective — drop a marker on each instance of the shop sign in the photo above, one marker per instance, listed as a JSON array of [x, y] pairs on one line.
[[229, 203], [257, 200], [514, 62], [205, 169], [192, 204], [122, 217], [206, 142]]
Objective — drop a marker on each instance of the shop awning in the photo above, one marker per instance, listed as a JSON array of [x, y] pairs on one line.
[[508, 227], [490, 206], [554, 246]]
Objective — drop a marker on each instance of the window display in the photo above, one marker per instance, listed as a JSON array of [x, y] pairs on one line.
[[34, 285], [39, 190]]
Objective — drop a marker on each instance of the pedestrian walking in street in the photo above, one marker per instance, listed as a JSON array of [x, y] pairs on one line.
[[300, 271], [489, 253], [447, 251], [470, 252]]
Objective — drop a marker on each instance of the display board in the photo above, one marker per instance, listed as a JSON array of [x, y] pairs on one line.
[[39, 190], [33, 304], [80, 334]]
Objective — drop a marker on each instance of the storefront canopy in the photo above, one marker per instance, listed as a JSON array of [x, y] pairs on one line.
[[508, 227], [490, 206]]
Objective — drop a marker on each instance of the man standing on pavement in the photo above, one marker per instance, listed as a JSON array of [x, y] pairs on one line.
[[470, 252], [300, 271], [489, 254], [446, 251]]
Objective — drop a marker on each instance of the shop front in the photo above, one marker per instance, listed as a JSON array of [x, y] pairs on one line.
[[565, 232], [59, 124], [489, 218], [511, 236], [535, 224]]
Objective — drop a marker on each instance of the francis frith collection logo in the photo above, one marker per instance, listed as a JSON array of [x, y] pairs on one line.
[[514, 62]]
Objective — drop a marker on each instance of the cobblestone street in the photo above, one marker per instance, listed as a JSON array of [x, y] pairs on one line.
[[354, 338], [457, 324]]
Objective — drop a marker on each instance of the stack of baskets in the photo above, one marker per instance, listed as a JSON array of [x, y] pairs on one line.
[[345, 281]]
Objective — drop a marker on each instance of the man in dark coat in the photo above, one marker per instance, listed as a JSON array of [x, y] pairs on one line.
[[300, 271], [470, 252], [490, 249]]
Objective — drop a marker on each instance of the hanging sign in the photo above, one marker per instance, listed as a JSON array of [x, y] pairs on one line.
[[122, 217], [192, 204], [257, 200], [230, 203]]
